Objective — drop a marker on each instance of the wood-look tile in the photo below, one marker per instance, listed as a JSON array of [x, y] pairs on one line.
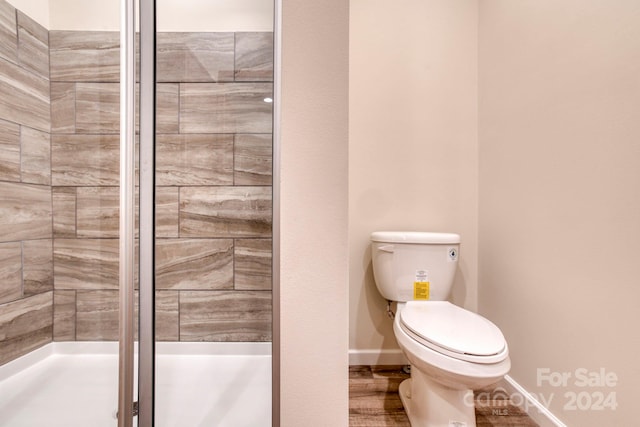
[[189, 264], [195, 57], [374, 400], [85, 56], [85, 160], [9, 151], [225, 107], [254, 56], [194, 159], [63, 107], [360, 371], [25, 210], [25, 325], [252, 266], [98, 108], [167, 211], [362, 386], [377, 406], [97, 315], [33, 45], [24, 97], [225, 211], [494, 408], [37, 258], [98, 212], [167, 316], [64, 211], [252, 159], [501, 414], [389, 371], [225, 316], [85, 263], [36, 156], [386, 419], [10, 271], [167, 108], [64, 315], [8, 32]]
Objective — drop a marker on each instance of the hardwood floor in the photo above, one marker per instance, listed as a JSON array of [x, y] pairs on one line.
[[374, 401]]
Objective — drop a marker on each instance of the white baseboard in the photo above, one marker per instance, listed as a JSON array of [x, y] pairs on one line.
[[529, 404], [377, 357]]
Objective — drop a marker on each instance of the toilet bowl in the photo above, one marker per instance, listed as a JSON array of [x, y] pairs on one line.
[[443, 377], [452, 351]]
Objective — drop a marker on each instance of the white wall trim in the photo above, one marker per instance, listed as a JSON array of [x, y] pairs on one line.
[[377, 357], [529, 404]]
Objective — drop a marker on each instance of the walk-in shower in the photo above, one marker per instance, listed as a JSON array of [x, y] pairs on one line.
[[203, 189]]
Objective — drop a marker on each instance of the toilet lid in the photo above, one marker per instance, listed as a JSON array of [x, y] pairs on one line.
[[454, 331]]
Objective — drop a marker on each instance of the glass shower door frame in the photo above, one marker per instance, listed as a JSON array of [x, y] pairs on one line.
[[126, 286], [146, 355]]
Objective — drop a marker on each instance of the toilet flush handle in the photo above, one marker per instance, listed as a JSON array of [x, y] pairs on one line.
[[386, 248]]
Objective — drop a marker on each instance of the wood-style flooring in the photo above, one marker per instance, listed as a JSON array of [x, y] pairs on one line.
[[374, 401]]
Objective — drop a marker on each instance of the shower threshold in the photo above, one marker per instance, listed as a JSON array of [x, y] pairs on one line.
[[71, 384]]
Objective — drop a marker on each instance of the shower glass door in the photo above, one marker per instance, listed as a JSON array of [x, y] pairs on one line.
[[59, 213], [212, 270], [206, 330]]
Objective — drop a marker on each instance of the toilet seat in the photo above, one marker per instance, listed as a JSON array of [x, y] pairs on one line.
[[453, 331]]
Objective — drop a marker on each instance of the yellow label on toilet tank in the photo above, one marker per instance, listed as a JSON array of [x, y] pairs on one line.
[[420, 290]]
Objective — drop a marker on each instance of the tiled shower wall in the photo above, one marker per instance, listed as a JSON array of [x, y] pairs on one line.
[[213, 213], [26, 264], [59, 176]]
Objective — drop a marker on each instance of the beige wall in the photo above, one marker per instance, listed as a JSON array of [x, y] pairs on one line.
[[559, 193], [314, 269], [200, 15], [559, 166], [412, 141], [35, 9]]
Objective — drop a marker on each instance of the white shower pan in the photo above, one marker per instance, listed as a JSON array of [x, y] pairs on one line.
[[74, 384]]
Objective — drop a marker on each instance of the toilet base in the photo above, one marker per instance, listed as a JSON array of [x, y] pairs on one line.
[[429, 404]]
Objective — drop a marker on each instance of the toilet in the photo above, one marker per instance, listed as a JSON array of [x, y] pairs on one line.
[[452, 351]]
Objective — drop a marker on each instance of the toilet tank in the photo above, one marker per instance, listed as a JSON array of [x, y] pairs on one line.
[[414, 265]]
